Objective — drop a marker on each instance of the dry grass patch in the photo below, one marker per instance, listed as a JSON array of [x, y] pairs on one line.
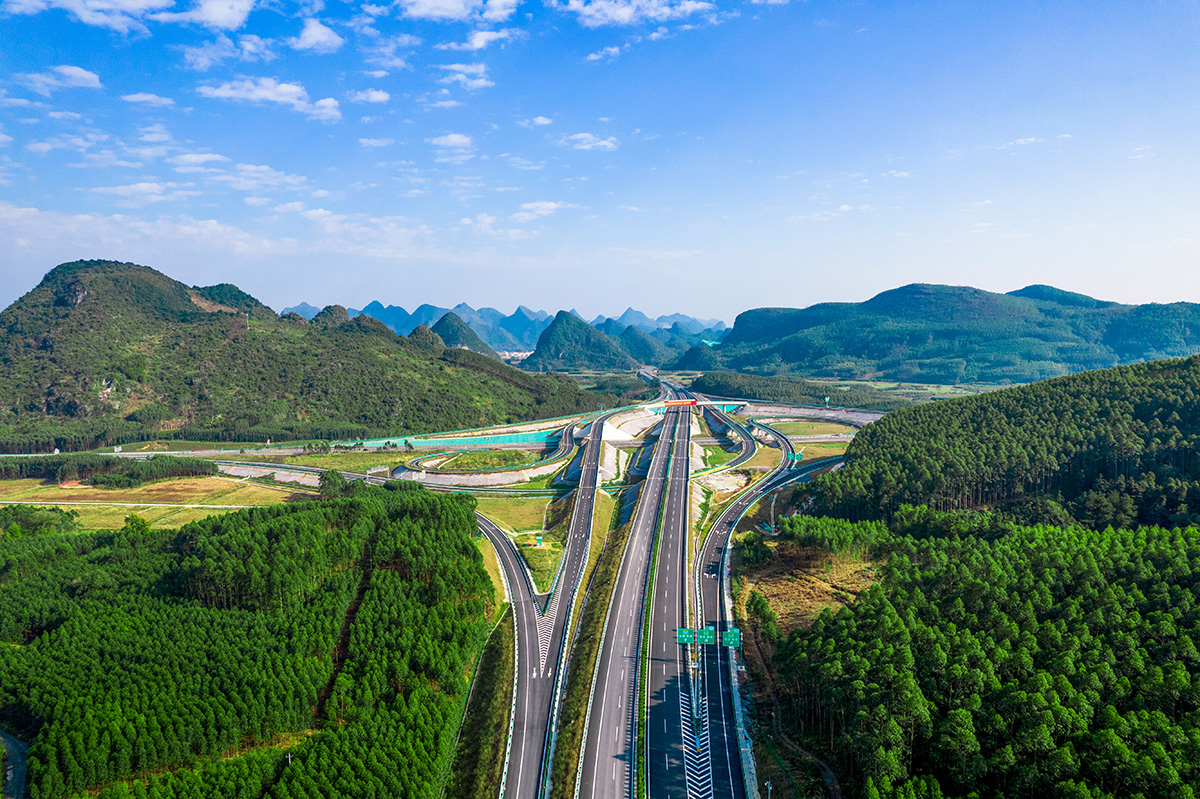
[[160, 503], [515, 514], [812, 428], [799, 584]]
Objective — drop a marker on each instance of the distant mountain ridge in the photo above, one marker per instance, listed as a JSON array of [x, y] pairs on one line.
[[952, 334], [519, 331]]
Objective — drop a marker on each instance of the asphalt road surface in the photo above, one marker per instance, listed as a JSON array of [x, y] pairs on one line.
[[609, 764], [675, 766]]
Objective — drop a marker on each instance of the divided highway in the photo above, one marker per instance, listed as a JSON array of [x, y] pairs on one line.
[[608, 766]]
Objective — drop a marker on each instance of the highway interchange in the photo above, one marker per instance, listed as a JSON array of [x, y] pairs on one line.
[[663, 717], [662, 720]]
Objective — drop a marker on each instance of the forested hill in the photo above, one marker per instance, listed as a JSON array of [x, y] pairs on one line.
[[178, 660], [805, 392], [102, 352], [1118, 446], [951, 334]]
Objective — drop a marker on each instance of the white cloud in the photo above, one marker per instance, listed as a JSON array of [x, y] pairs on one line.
[[5, 139], [119, 15], [893, 173], [439, 9], [1019, 143], [499, 10], [369, 96], [453, 148], [195, 162], [469, 76], [255, 178], [537, 210], [144, 193], [485, 225], [154, 134], [455, 140], [145, 98], [383, 52], [270, 90], [60, 77], [542, 121], [71, 115], [594, 13], [376, 142], [16, 102], [478, 40], [226, 15], [248, 48], [257, 202], [607, 52], [317, 38], [104, 159], [77, 143], [518, 162], [590, 141]]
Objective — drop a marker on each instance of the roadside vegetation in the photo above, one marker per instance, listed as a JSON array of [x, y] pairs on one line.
[[470, 460], [479, 757]]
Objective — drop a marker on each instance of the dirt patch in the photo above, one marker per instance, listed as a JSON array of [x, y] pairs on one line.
[[799, 584]]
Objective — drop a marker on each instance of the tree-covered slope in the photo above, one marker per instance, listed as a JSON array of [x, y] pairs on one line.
[[949, 334], [455, 333], [1048, 662], [643, 348], [103, 352], [804, 392], [571, 343], [1117, 446], [180, 657]]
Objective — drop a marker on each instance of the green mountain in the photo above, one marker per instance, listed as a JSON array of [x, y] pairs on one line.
[[1113, 446], [643, 348], [102, 352], [571, 343], [455, 333], [951, 334], [787, 389]]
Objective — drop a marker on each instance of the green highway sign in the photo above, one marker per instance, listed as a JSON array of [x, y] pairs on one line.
[[685, 635], [708, 635], [731, 638]]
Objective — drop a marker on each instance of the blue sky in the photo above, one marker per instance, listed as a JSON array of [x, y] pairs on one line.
[[699, 156]]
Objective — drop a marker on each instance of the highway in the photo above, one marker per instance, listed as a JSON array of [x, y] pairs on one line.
[[608, 763], [675, 763]]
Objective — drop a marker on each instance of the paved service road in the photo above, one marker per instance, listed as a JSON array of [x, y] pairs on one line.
[[14, 788], [608, 764]]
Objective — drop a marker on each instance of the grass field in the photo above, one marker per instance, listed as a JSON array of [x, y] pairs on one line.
[[542, 561], [158, 503], [177, 446], [812, 428], [821, 449], [492, 564], [350, 461], [715, 456], [492, 459], [515, 514], [766, 458]]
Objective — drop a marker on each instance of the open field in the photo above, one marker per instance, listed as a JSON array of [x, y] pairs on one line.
[[349, 461], [715, 456], [515, 514], [766, 458], [169, 445], [542, 561], [798, 584], [812, 428], [160, 503], [491, 563], [492, 459], [821, 449]]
